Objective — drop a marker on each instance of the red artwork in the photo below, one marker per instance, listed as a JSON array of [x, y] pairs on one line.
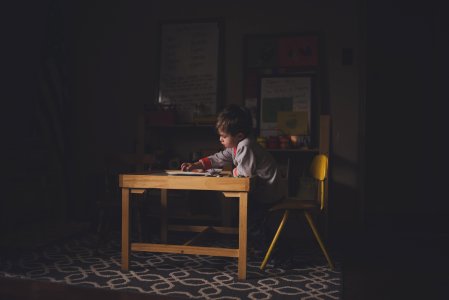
[[298, 51]]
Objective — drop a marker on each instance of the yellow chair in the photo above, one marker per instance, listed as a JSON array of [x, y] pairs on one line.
[[318, 170]]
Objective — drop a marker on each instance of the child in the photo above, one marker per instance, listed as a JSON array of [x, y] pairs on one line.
[[234, 125]]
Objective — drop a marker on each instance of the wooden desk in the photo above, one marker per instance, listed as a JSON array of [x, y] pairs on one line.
[[229, 186]]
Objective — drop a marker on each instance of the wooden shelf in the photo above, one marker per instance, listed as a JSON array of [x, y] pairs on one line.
[[181, 126], [293, 150]]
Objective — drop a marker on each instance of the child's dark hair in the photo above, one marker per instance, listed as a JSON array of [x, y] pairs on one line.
[[234, 119]]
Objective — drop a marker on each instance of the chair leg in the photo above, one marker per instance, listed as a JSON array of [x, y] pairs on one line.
[[317, 236], [273, 242]]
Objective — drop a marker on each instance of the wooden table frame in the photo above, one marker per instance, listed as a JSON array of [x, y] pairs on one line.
[[229, 186]]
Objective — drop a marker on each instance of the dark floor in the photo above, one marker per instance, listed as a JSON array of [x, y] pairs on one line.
[[395, 266]]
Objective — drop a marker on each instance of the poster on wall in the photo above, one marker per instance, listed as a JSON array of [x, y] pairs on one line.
[[188, 73], [284, 94], [285, 51], [298, 51]]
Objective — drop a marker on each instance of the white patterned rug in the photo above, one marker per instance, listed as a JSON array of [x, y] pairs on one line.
[[80, 261]]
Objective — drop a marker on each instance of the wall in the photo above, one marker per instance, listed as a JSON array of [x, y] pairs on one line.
[[111, 50], [32, 157], [406, 151]]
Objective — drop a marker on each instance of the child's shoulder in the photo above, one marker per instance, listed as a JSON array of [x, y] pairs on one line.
[[246, 142], [250, 143]]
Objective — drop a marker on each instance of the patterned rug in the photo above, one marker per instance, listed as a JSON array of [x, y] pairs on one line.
[[83, 261]]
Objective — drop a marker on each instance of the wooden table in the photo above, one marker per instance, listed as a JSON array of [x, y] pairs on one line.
[[229, 186]]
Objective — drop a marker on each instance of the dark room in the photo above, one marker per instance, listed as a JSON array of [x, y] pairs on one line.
[[194, 149]]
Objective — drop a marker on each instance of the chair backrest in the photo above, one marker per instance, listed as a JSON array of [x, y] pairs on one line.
[[318, 170]]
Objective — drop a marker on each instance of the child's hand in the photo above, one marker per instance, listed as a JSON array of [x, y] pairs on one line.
[[191, 166], [186, 166]]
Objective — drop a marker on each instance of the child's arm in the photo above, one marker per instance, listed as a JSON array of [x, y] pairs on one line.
[[216, 160], [192, 166]]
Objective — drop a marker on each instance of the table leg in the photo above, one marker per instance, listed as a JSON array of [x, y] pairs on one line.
[[125, 229], [164, 216], [243, 210]]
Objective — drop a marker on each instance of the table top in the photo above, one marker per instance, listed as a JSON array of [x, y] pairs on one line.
[[163, 180]]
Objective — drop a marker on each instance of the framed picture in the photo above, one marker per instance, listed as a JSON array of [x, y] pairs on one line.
[[190, 68], [282, 51], [285, 105]]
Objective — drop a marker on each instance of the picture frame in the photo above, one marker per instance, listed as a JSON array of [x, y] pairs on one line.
[[190, 68], [282, 51]]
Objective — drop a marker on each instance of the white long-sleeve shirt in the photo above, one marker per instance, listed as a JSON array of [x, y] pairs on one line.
[[250, 160]]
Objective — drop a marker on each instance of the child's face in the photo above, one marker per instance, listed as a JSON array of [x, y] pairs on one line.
[[229, 141]]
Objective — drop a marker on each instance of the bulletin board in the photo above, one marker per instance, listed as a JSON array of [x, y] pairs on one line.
[[189, 67], [278, 55], [281, 96]]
